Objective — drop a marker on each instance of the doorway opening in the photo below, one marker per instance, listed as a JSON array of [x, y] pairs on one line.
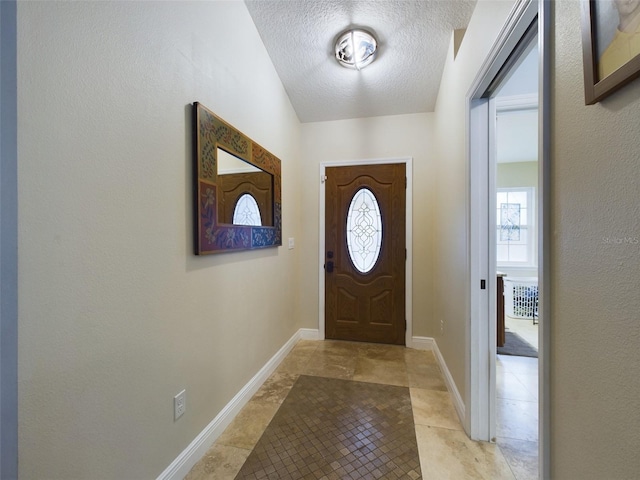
[[508, 205], [513, 204]]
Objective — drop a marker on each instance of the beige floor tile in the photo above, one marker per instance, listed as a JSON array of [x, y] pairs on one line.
[[381, 352], [415, 358], [450, 454], [306, 346], [517, 419], [338, 347], [509, 386], [427, 376], [388, 372], [276, 388], [248, 426], [530, 381], [221, 462], [518, 365], [434, 408], [522, 457], [295, 362], [324, 364]]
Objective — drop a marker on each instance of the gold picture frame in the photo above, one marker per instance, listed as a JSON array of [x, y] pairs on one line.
[[604, 73]]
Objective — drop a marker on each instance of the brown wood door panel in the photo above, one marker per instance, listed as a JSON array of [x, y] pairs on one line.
[[233, 185], [368, 306]]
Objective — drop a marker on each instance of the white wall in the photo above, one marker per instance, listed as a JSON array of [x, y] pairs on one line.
[[371, 138], [116, 313], [595, 264], [451, 267]]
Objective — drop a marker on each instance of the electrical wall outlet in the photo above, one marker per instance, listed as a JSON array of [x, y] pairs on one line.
[[179, 404], [441, 327]]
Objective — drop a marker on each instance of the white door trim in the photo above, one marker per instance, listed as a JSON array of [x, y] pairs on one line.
[[408, 161], [482, 346], [8, 242]]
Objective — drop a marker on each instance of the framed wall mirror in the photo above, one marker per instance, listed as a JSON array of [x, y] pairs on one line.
[[237, 188]]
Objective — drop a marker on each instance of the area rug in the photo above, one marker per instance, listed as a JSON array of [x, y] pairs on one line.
[[330, 428], [516, 345]]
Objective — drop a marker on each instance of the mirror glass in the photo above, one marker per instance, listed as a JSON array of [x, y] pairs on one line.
[[245, 193]]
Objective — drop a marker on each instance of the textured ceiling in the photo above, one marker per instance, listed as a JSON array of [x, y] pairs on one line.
[[413, 38]]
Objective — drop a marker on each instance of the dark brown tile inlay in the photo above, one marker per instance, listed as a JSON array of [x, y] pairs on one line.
[[338, 429]]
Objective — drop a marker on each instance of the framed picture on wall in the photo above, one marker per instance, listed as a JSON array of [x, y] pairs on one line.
[[610, 46]]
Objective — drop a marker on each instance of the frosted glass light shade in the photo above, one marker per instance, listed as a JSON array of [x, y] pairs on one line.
[[356, 49]]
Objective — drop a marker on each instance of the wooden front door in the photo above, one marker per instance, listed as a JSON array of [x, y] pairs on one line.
[[364, 284]]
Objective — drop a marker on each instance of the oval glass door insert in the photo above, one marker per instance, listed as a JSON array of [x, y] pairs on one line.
[[364, 230], [247, 211]]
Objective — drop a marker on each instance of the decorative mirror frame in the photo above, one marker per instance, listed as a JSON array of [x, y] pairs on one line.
[[210, 133]]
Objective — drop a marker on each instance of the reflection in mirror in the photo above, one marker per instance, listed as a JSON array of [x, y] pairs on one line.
[[245, 192], [246, 211]]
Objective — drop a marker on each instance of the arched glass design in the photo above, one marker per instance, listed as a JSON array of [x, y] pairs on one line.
[[247, 211], [364, 230]]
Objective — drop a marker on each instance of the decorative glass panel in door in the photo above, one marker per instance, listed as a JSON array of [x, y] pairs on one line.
[[364, 230]]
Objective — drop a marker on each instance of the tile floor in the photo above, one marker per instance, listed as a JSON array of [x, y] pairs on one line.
[[517, 404], [336, 429], [445, 451]]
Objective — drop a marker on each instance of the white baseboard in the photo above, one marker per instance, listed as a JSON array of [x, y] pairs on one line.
[[309, 334], [451, 385], [422, 343], [201, 444]]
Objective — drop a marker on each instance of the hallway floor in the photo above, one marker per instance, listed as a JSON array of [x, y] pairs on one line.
[[444, 449], [517, 413], [517, 403]]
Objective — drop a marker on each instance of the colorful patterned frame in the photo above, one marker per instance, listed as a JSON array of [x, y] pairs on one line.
[[211, 132]]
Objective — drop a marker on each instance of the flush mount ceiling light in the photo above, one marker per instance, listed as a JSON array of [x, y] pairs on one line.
[[356, 49]]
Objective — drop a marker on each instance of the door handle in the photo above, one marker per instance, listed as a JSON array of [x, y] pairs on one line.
[[329, 267]]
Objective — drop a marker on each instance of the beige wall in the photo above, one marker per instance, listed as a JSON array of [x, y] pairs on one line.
[[116, 313], [595, 262], [451, 268], [517, 174], [371, 138]]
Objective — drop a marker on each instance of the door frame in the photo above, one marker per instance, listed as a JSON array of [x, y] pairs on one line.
[[8, 241], [408, 161], [481, 332]]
